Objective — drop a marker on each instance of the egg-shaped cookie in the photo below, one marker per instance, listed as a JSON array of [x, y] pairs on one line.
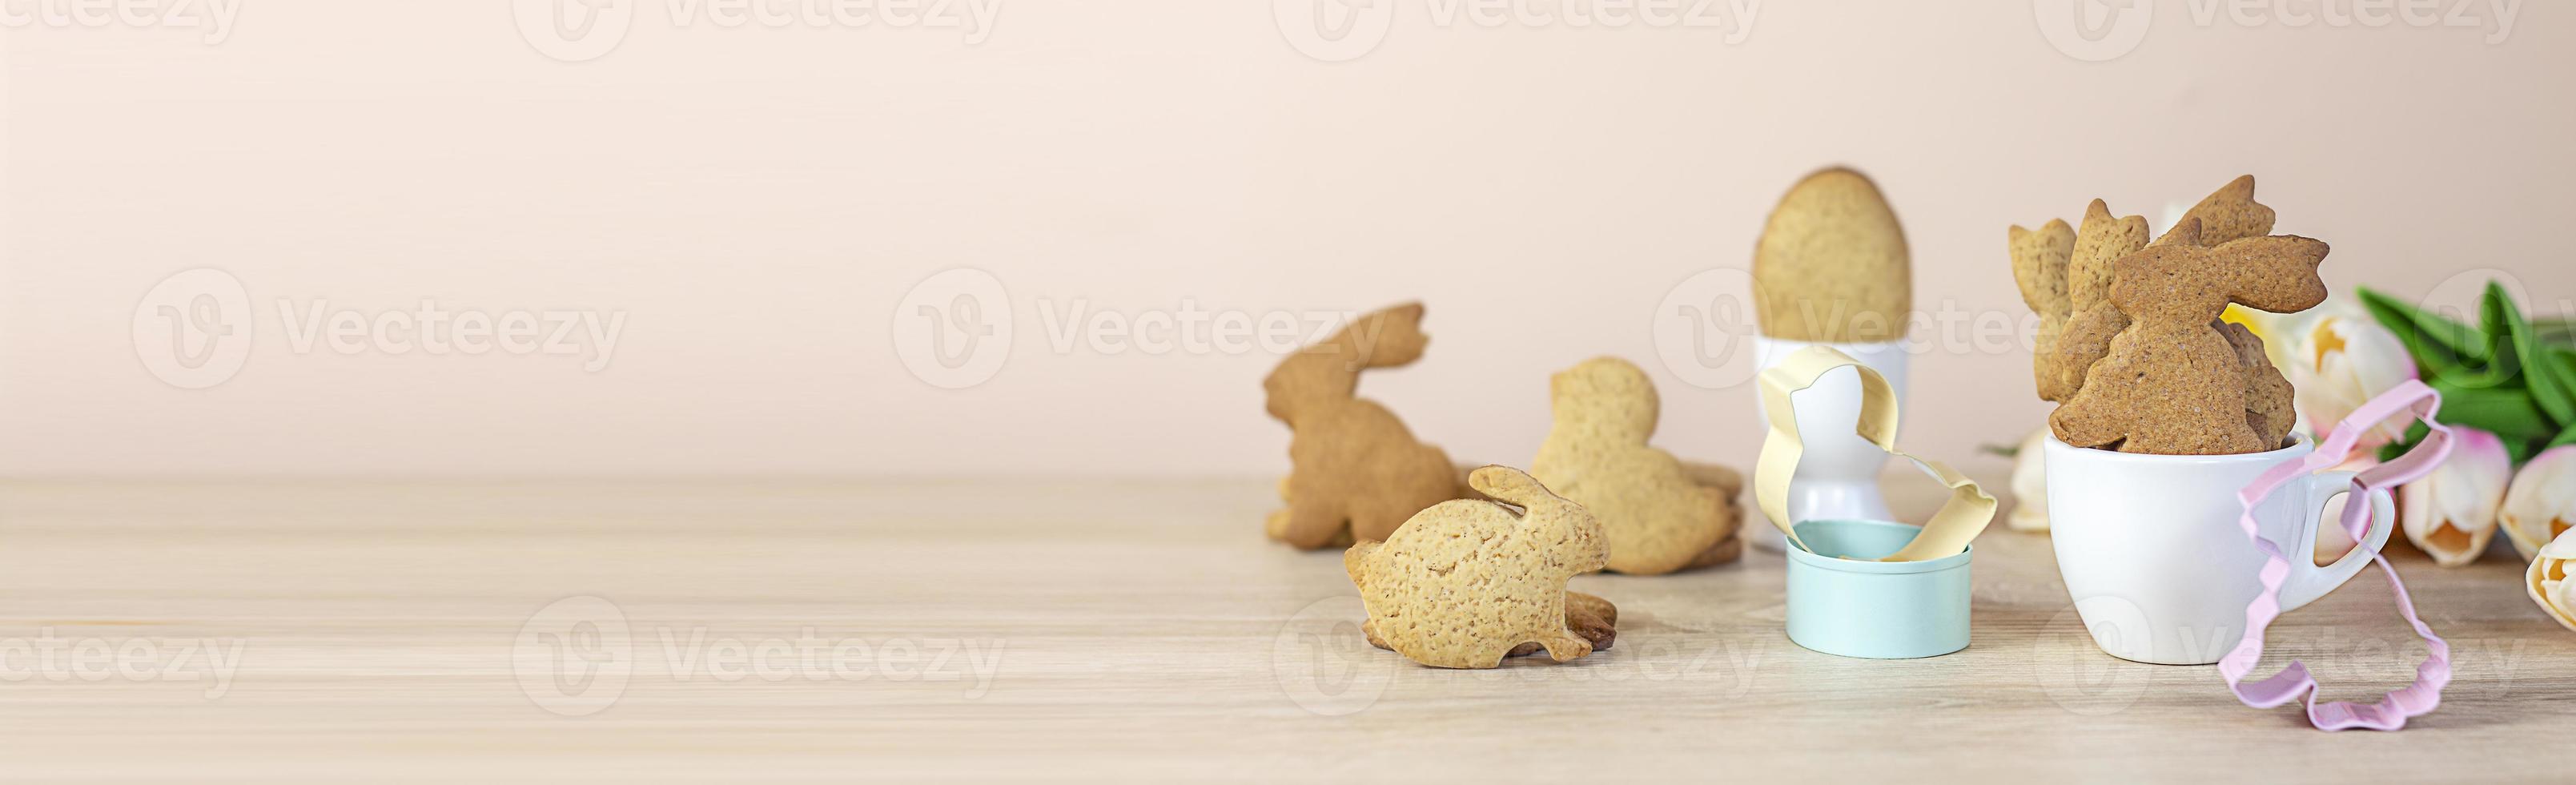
[[1832, 265]]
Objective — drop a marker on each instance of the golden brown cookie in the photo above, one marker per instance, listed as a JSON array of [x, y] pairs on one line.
[[1591, 617], [2226, 215], [2039, 260], [2229, 214], [2099, 241], [1727, 550], [2102, 241], [1656, 517], [1727, 481], [2185, 233], [1728, 485], [1462, 584], [2269, 399], [1358, 472], [2171, 384], [2268, 393], [2086, 341], [1832, 265]]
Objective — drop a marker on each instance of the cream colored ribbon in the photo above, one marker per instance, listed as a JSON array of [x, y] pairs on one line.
[[1960, 519]]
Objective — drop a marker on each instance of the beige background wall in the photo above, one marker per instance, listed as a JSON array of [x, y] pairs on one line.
[[756, 203]]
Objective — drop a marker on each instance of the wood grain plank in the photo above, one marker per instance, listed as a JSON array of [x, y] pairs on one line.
[[1087, 631]]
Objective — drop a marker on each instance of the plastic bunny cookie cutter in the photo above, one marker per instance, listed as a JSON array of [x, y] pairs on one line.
[[1874, 589], [2414, 700]]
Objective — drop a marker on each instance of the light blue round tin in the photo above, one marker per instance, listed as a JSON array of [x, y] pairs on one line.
[[1879, 610]]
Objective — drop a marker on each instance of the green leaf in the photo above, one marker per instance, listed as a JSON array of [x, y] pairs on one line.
[[2507, 413], [2430, 358], [2560, 365], [2433, 357], [2457, 339], [2548, 390], [2498, 317], [2490, 376], [2414, 434], [2565, 438], [2555, 332]]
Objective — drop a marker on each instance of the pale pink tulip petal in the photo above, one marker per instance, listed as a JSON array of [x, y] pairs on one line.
[[2542, 502], [2552, 579], [2451, 514], [2341, 359]]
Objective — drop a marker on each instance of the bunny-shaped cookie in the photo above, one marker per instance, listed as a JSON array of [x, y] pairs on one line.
[[2173, 383], [1358, 473], [2227, 215], [1461, 584], [1589, 616], [2270, 401], [1657, 518], [2039, 259], [2084, 336]]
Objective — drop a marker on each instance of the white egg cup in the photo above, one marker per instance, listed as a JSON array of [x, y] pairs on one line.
[[1838, 477]]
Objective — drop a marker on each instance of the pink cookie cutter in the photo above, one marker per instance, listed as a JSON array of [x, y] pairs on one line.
[[2414, 700]]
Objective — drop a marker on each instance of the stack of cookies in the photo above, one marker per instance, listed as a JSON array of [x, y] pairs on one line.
[[2130, 343]]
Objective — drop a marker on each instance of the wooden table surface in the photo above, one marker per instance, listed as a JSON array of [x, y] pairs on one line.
[[733, 630]]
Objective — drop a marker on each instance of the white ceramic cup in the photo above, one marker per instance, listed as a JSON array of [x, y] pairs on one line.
[[2153, 554], [1837, 478]]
